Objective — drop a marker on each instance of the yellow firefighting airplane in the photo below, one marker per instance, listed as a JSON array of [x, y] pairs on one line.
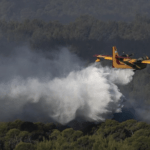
[[125, 61]]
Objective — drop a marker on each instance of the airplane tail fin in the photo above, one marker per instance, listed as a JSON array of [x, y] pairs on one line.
[[115, 62]]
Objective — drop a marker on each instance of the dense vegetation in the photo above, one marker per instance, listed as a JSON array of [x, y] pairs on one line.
[[86, 35], [66, 10], [19, 135]]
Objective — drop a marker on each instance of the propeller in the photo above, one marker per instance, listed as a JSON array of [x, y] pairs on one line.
[[132, 54], [126, 55]]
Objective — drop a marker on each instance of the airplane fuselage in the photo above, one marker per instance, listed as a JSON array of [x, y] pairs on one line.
[[130, 63]]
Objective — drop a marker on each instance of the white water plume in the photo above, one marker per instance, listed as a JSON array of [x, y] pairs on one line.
[[89, 92]]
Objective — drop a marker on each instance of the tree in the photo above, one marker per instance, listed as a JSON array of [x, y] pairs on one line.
[[25, 146]]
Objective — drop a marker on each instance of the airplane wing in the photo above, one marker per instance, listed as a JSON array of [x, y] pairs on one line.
[[146, 62], [104, 56]]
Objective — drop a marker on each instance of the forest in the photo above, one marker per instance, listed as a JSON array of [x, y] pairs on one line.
[[20, 135], [66, 11], [94, 34]]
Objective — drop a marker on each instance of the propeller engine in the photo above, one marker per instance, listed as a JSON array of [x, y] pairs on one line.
[[127, 55]]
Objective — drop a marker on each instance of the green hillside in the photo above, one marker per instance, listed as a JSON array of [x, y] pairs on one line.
[[19, 135]]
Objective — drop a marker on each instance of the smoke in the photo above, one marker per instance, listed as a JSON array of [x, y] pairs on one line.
[[57, 86]]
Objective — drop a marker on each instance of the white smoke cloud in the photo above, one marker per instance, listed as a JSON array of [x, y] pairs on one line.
[[119, 76], [73, 91]]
